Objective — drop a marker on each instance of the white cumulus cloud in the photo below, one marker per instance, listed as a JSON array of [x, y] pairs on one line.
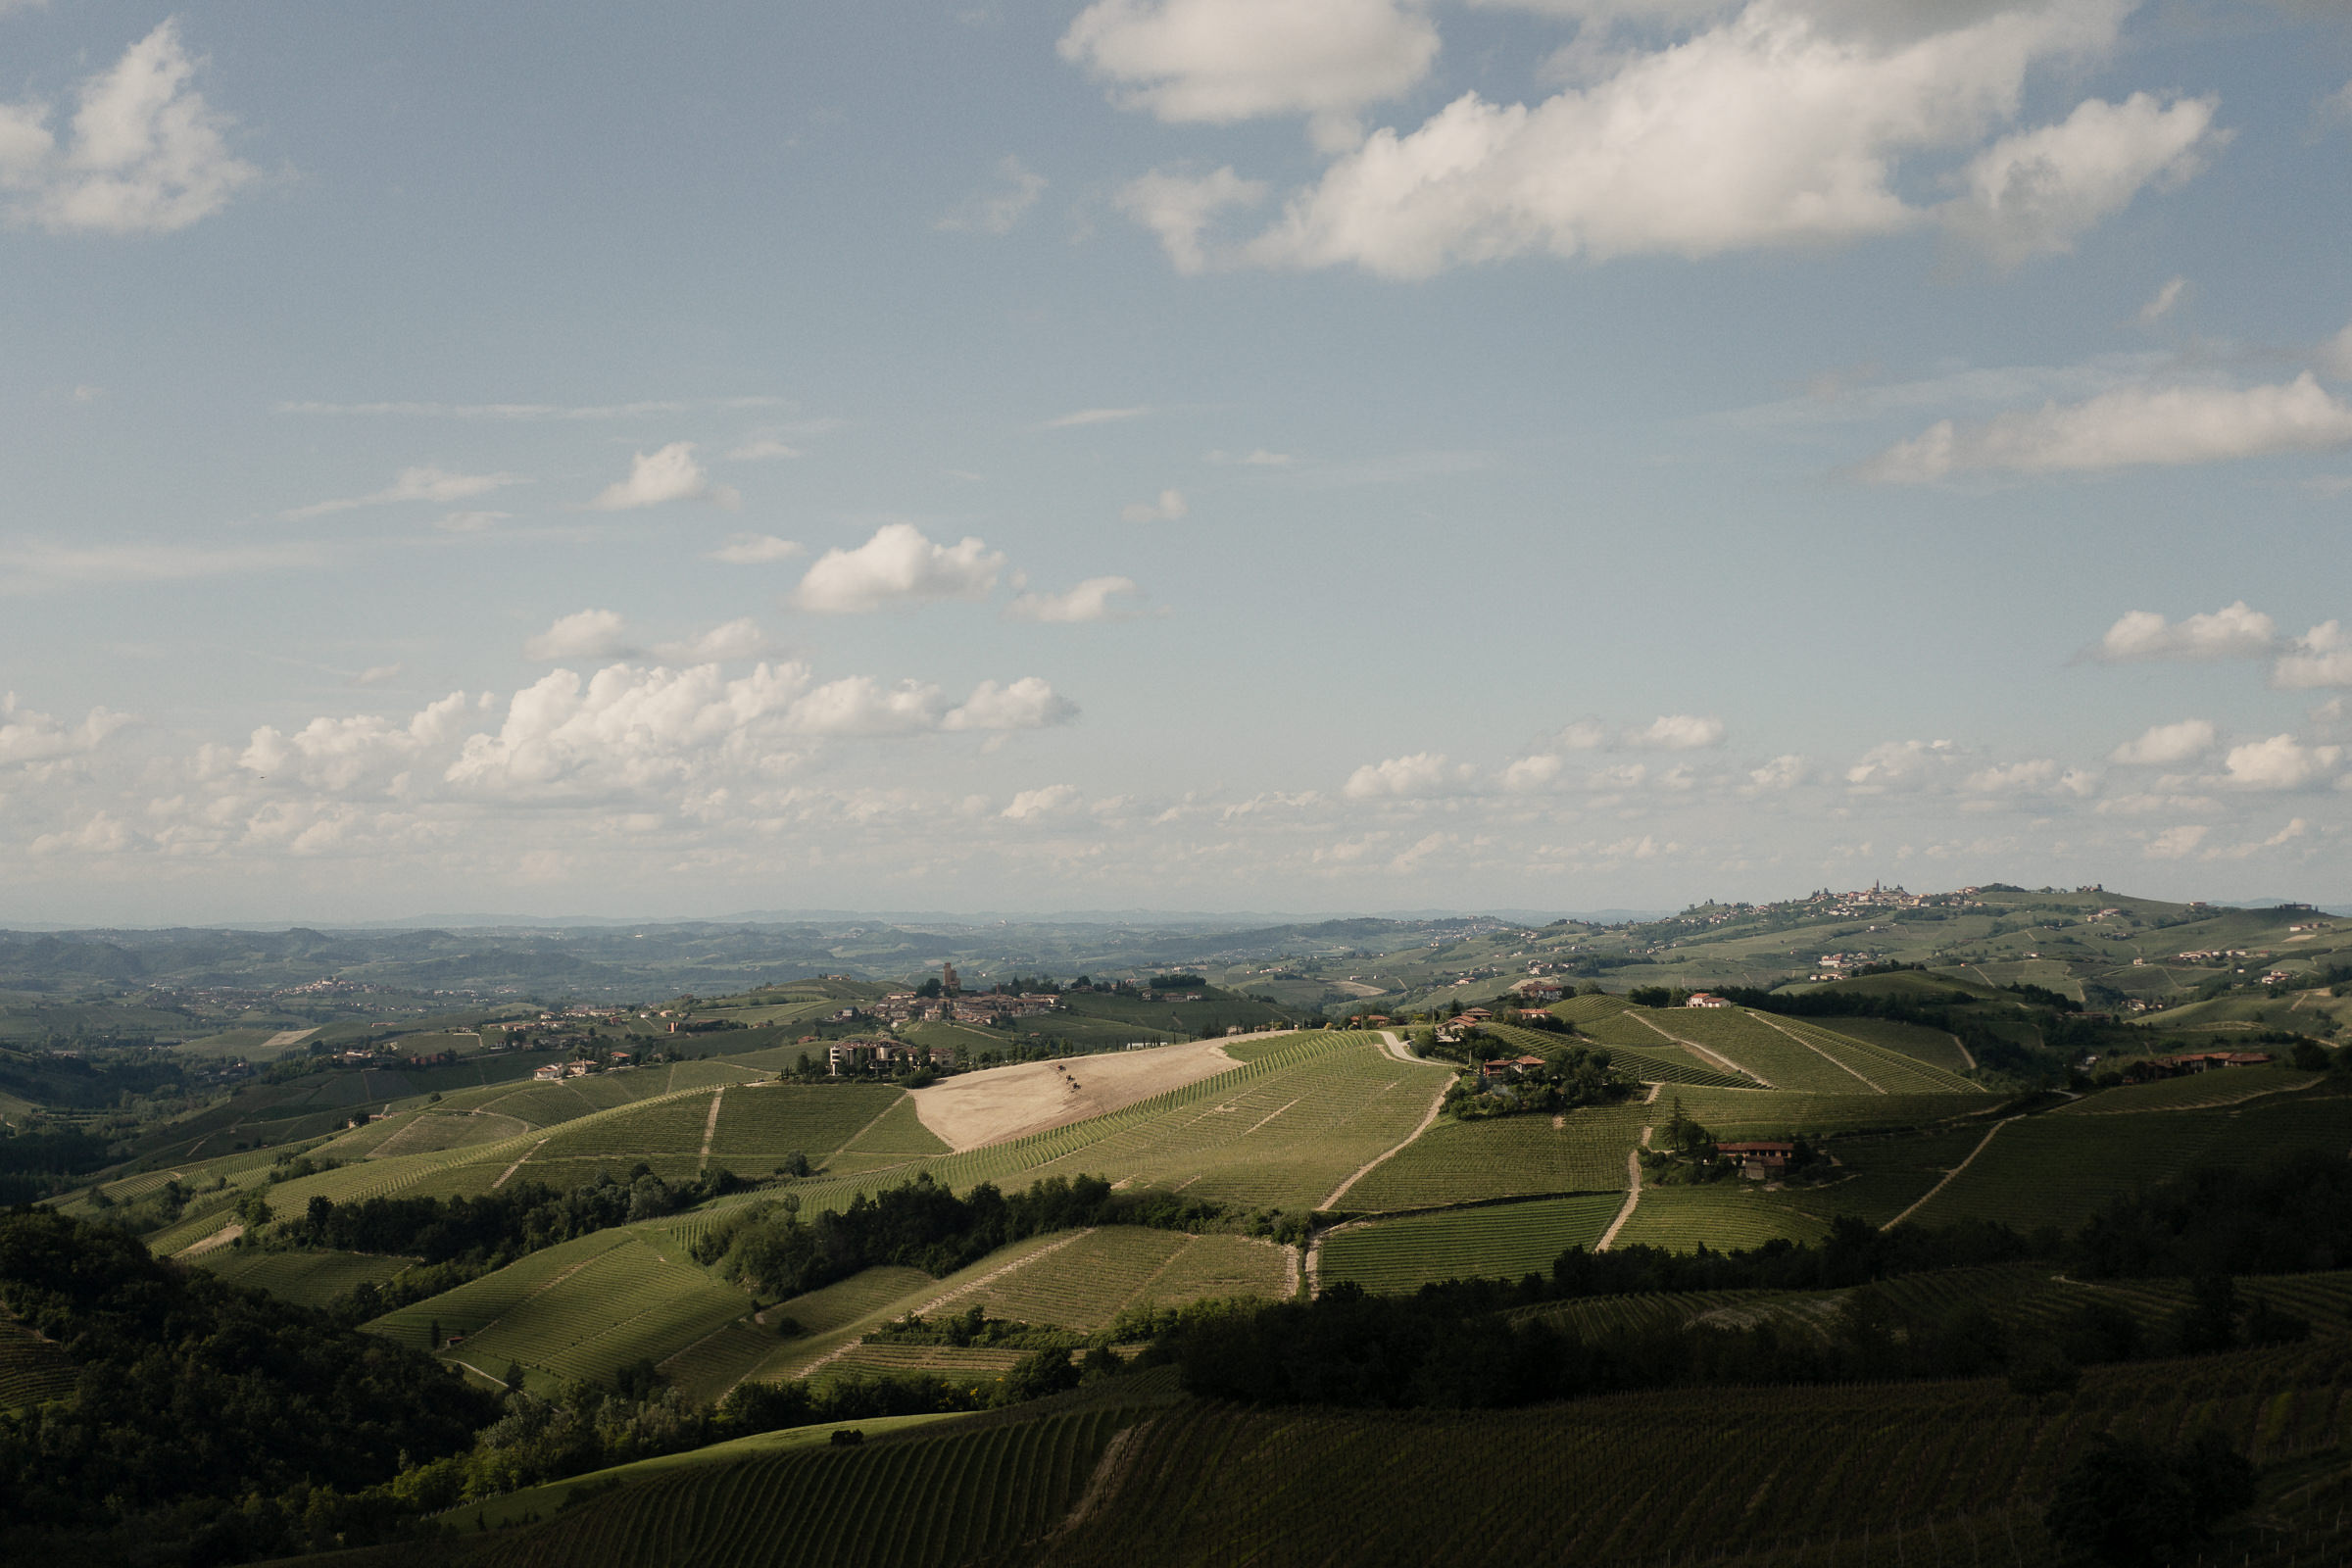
[[1219, 61], [1091, 600], [1901, 765], [2234, 631], [27, 736], [144, 153], [1049, 801], [730, 642], [1025, 703], [582, 634], [1530, 774], [1422, 773], [1783, 773], [670, 473], [1179, 207], [2175, 842], [898, 566], [2168, 745], [1768, 128], [1677, 732], [2282, 763], [2040, 191], [2129, 427], [2321, 656]]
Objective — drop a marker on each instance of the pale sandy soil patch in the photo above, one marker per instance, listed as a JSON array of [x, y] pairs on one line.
[[988, 1108]]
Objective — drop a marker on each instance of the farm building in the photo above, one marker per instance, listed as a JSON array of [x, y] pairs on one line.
[[1759, 1160], [1705, 999], [1539, 989], [2208, 1060]]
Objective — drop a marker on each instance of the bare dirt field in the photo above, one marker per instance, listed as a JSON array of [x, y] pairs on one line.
[[988, 1108]]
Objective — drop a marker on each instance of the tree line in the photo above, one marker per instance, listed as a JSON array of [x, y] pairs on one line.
[[922, 1224]]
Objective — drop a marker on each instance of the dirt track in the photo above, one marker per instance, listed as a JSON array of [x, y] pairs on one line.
[[988, 1108]]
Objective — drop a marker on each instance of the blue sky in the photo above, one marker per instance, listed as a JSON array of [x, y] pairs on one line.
[[1192, 454]]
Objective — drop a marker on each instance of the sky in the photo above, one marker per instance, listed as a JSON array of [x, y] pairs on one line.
[[1279, 455]]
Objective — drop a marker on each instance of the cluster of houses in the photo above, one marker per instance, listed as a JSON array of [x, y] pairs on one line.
[[884, 1055], [908, 1007], [2196, 1061], [576, 1069]]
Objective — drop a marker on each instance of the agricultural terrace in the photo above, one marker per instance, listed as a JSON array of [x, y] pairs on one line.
[[1666, 1065], [2230, 1086], [1722, 1215], [2059, 1169], [1504, 1156], [580, 1310], [1582, 1011], [1940, 1475], [32, 1369], [1760, 1113], [985, 1485], [1495, 1240], [470, 1169], [1276, 1133], [760, 1124], [309, 1279], [1104, 1271], [1931, 1046]]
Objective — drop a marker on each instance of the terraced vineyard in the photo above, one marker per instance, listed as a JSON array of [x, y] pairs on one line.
[[1759, 1113], [1086, 1284], [759, 1125], [2058, 1169], [893, 1136], [309, 1279], [982, 1487], [1623, 1030], [1280, 1131], [1954, 1472], [1884, 1068], [1504, 1156], [1581, 1010], [1879, 1177], [1496, 1241], [1931, 1046], [2230, 1086], [1666, 1065], [579, 1311], [32, 1368], [1594, 1317], [470, 1169], [1723, 1215]]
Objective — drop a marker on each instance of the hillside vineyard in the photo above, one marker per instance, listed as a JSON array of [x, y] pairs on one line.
[[2014, 1227]]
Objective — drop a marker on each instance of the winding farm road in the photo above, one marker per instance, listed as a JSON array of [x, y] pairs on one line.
[[1989, 1133], [1394, 1048], [1633, 1196]]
